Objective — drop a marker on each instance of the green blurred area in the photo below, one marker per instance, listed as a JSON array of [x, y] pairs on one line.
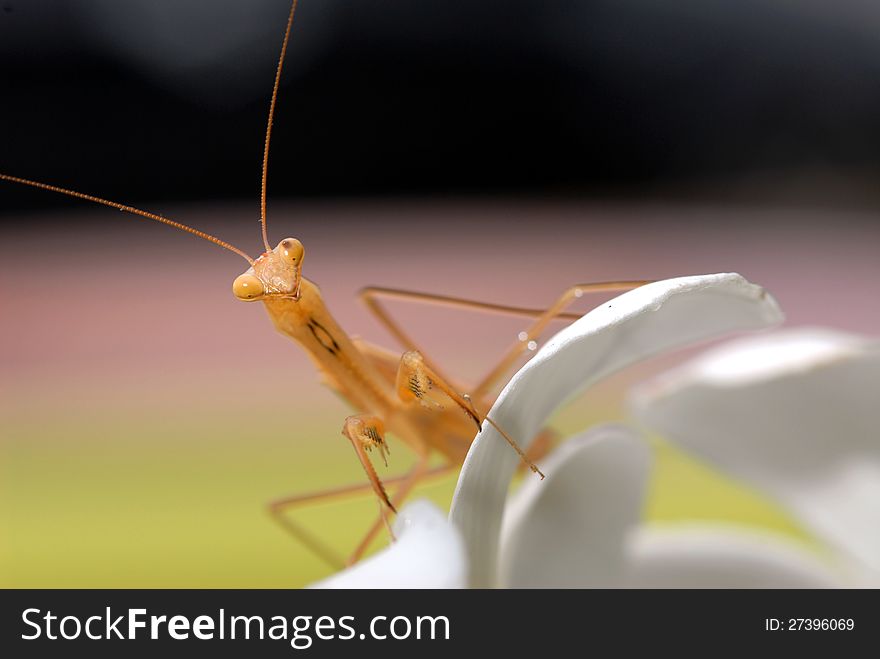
[[132, 500]]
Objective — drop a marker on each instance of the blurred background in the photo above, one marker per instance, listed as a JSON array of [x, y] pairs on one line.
[[165, 99], [492, 150]]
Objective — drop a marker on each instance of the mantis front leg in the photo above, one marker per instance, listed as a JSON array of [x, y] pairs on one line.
[[417, 384], [409, 482], [366, 432], [415, 381]]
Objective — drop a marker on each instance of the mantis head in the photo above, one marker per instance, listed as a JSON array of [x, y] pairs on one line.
[[274, 274]]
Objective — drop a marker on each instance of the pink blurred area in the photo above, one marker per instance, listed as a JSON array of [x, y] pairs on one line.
[[151, 299], [94, 298]]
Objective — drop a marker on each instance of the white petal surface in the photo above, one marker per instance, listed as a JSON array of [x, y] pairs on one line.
[[635, 325], [691, 555], [570, 530], [428, 553], [796, 413]]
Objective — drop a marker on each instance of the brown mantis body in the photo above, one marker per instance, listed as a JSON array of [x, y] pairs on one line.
[[406, 395]]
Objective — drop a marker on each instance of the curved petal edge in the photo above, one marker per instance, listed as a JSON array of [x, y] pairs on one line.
[[638, 324]]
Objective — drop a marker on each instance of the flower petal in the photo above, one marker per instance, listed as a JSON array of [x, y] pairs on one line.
[[796, 413], [633, 326], [428, 553], [693, 555], [569, 530]]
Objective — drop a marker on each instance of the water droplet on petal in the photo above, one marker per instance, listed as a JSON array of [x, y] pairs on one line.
[[532, 345], [522, 336]]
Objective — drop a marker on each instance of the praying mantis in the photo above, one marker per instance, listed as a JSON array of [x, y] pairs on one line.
[[405, 395]]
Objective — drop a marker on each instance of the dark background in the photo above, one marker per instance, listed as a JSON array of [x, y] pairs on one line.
[[738, 101]]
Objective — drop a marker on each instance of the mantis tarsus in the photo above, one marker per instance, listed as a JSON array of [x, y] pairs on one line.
[[408, 395]]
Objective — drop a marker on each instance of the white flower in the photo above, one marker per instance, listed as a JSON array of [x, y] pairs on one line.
[[638, 324], [429, 553], [583, 530], [796, 414], [580, 526]]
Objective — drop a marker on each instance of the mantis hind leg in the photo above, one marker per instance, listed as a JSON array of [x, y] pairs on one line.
[[538, 449], [416, 382], [279, 510], [374, 296], [534, 331]]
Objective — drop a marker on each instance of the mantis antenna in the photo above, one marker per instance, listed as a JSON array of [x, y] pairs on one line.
[[129, 209], [269, 125], [180, 225]]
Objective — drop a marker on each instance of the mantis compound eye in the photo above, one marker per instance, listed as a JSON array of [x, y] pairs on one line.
[[247, 287], [291, 250]]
